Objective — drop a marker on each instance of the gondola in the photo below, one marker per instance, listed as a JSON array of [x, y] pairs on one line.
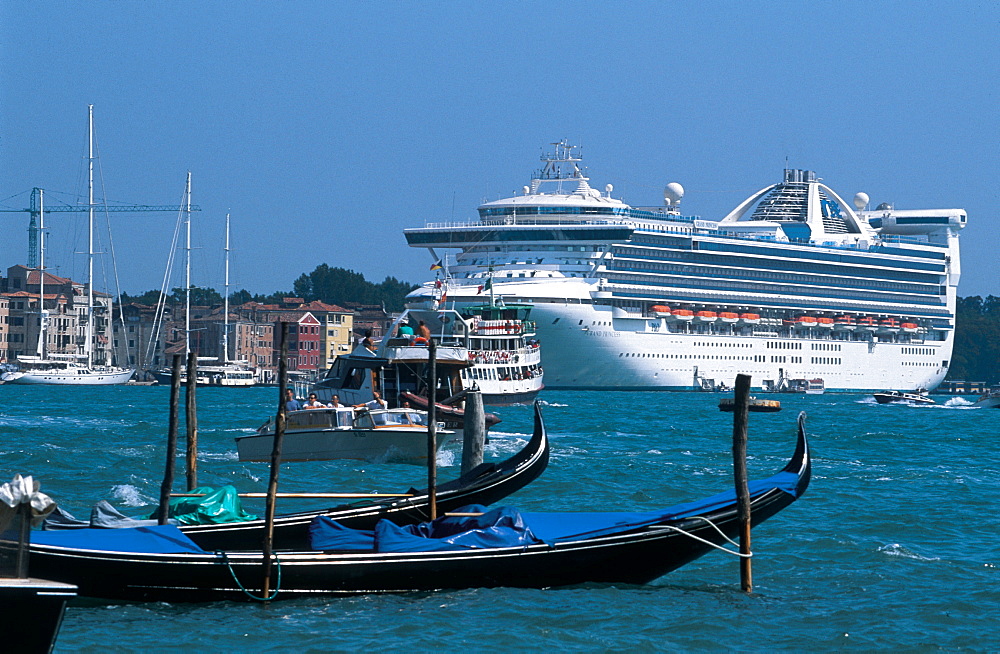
[[484, 484], [568, 549]]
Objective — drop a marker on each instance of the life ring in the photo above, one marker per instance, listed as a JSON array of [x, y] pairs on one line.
[[420, 340]]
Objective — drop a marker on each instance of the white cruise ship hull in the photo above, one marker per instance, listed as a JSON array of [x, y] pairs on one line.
[[793, 284]]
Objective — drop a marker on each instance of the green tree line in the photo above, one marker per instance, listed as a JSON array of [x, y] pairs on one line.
[[331, 285], [977, 340]]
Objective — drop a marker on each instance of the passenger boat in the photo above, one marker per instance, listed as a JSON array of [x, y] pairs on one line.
[[485, 484], [492, 347], [889, 397], [375, 435], [592, 266], [529, 550], [757, 405]]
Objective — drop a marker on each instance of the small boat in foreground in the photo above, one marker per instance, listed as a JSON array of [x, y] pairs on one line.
[[756, 405], [538, 550], [376, 435], [890, 397]]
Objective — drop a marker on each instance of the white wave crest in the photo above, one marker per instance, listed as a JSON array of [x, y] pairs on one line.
[[130, 495], [895, 549]]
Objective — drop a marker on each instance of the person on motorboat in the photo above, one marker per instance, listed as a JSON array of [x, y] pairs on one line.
[[291, 404], [314, 403], [375, 403]]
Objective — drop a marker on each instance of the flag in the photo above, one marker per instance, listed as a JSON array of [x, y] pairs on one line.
[[444, 298], [437, 265], [486, 287]]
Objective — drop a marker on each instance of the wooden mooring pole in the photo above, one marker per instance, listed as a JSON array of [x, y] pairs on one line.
[[191, 415], [168, 476], [740, 419], [272, 485], [432, 426]]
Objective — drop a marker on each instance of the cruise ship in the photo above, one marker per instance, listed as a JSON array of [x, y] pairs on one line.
[[794, 283]]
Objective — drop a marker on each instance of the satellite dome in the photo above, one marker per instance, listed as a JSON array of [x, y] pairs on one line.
[[526, 190], [608, 188], [885, 206], [861, 201], [673, 193]]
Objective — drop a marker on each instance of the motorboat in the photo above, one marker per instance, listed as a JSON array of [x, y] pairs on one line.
[[890, 397], [756, 405], [990, 399], [376, 435]]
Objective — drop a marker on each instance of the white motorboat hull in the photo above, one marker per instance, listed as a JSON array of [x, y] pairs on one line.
[[382, 445]]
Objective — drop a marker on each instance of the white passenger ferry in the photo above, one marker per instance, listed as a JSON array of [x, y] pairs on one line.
[[793, 283]]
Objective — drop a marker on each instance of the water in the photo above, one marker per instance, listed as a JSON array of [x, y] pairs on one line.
[[893, 546]]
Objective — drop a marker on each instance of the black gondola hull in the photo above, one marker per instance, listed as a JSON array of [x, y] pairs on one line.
[[635, 557]]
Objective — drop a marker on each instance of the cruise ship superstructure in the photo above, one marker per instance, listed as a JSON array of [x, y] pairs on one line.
[[793, 283]]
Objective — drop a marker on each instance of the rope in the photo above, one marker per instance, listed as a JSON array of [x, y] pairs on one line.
[[225, 559], [707, 542]]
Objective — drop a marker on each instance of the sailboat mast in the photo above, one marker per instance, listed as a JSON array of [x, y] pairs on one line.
[[187, 268], [41, 272], [225, 302], [89, 347]]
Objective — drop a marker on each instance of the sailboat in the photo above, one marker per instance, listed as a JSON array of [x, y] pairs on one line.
[[75, 369], [211, 371]]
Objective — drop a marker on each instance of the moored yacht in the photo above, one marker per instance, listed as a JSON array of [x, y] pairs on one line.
[[643, 297]]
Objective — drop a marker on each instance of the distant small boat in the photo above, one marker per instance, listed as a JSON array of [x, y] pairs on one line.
[[756, 405], [990, 399], [889, 397]]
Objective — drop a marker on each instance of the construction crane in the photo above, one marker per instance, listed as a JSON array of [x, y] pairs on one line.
[[34, 211]]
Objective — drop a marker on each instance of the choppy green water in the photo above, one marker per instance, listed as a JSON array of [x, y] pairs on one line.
[[893, 546]]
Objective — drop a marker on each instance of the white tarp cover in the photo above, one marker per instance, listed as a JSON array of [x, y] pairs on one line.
[[24, 490]]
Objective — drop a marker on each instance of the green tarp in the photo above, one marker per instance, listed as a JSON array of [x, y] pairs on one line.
[[218, 506]]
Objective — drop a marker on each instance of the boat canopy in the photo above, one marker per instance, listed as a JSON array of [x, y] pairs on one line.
[[508, 527]]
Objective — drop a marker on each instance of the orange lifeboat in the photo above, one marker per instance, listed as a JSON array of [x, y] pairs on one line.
[[888, 325], [660, 311], [910, 327], [824, 323], [867, 323], [805, 322], [729, 316], [750, 318], [844, 323], [706, 316], [683, 314]]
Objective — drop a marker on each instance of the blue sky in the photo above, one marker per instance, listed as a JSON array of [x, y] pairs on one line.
[[325, 128]]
